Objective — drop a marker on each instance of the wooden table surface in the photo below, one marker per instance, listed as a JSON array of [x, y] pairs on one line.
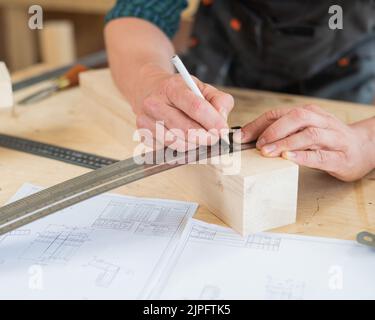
[[326, 206]]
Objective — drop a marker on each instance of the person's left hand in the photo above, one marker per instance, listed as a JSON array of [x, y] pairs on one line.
[[312, 137]]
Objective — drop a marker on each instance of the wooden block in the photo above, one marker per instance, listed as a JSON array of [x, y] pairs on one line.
[[259, 194], [57, 42], [6, 94]]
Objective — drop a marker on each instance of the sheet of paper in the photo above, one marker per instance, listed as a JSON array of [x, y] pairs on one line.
[[109, 247], [213, 262]]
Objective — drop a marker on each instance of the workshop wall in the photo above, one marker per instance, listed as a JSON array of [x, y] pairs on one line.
[[81, 20]]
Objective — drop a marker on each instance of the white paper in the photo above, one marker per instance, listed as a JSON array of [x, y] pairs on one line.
[[213, 262], [108, 247]]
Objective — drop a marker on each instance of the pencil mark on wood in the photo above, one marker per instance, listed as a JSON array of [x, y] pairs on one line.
[[317, 205]]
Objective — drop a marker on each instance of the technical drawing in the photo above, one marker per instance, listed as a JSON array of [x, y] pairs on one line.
[[217, 236], [155, 229], [11, 234], [107, 272], [116, 216], [56, 244], [210, 292], [284, 289], [141, 218], [15, 233], [262, 242], [229, 238], [202, 233]]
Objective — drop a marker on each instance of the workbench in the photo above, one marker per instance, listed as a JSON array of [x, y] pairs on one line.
[[326, 206]]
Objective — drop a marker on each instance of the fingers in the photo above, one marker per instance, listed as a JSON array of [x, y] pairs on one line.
[[176, 120], [318, 159], [158, 136], [309, 138], [221, 101], [294, 121], [254, 129], [198, 109]]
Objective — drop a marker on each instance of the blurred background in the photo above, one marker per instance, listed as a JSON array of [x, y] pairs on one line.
[[72, 29]]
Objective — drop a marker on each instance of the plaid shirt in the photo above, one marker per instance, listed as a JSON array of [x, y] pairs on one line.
[[165, 14]]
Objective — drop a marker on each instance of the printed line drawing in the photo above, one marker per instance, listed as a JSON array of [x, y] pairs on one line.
[[107, 272], [56, 244], [259, 241], [155, 229], [224, 237], [15, 233], [147, 219], [289, 289], [202, 233]]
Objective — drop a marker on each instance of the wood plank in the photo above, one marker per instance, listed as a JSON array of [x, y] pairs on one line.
[[57, 44], [19, 53], [92, 6]]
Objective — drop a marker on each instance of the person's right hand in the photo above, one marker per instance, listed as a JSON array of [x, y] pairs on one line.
[[165, 97]]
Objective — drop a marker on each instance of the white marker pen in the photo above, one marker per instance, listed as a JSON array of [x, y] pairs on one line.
[[190, 83]]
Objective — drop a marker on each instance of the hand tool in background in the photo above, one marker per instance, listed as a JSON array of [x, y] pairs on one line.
[[94, 60], [50, 151], [91, 184], [68, 80]]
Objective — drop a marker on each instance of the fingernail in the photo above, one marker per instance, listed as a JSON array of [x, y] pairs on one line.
[[261, 142], [269, 149], [289, 155], [238, 136]]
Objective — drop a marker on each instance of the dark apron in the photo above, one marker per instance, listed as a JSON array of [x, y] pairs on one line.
[[286, 46]]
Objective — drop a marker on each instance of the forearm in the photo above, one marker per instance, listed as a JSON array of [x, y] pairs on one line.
[[137, 48]]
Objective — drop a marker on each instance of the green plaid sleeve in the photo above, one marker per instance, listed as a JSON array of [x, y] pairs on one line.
[[163, 13]]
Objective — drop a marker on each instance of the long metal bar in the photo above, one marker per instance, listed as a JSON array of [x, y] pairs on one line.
[[91, 184]]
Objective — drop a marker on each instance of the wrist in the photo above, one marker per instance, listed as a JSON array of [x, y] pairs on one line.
[[370, 133], [366, 134]]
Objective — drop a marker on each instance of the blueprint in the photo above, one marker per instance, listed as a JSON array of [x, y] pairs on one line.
[[117, 247], [109, 247], [213, 262]]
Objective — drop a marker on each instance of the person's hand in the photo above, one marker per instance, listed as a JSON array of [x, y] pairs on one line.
[[311, 137], [165, 97]]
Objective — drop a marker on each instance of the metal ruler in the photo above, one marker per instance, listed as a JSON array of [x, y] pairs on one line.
[[91, 184], [75, 157]]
